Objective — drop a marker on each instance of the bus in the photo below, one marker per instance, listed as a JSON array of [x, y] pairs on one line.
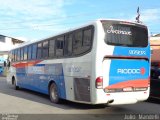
[[103, 62]]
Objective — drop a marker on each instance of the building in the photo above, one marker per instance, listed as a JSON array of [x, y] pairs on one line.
[[6, 44]]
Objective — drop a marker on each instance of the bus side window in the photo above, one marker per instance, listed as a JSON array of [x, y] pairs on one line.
[[87, 39], [77, 42], [45, 49], [52, 48], [82, 40], [39, 51], [34, 51], [19, 54], [68, 45], [22, 53], [25, 53], [29, 52], [59, 46], [15, 55]]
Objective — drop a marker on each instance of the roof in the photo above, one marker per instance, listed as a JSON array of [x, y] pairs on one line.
[[155, 41], [157, 35]]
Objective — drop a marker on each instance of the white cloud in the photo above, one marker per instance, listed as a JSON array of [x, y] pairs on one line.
[[150, 15], [33, 18], [33, 15], [32, 11]]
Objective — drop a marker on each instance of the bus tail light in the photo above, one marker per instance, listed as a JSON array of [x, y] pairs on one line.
[[99, 82]]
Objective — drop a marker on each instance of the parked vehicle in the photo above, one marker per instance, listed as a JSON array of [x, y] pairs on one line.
[[104, 62], [155, 69]]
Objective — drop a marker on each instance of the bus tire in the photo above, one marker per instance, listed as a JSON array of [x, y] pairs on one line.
[[53, 93], [14, 83]]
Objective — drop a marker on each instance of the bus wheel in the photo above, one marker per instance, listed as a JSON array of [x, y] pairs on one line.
[[14, 83], [53, 93]]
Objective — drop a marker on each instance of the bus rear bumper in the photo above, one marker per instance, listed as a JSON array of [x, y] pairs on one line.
[[119, 98], [120, 102], [127, 98]]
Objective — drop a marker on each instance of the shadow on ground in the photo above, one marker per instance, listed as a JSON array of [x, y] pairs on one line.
[[41, 98]]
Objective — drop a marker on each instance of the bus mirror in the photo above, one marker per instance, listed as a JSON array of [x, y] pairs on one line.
[[4, 64], [9, 64]]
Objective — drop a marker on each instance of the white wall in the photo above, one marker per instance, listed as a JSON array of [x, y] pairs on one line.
[[8, 45], [154, 38]]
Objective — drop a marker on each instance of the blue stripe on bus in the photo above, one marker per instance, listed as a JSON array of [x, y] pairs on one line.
[[134, 51], [39, 82]]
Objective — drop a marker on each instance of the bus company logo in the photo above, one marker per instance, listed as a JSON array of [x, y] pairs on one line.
[[141, 71], [118, 32]]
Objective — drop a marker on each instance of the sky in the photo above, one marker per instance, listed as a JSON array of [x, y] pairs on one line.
[[38, 19]]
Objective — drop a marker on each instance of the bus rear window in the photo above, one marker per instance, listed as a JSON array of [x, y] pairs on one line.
[[125, 34]]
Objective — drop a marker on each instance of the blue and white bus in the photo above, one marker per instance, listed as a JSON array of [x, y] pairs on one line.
[[104, 62]]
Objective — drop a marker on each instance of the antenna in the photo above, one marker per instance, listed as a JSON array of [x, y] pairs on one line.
[[138, 16]]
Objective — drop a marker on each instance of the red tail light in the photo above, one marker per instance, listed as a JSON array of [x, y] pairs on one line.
[[99, 82]]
